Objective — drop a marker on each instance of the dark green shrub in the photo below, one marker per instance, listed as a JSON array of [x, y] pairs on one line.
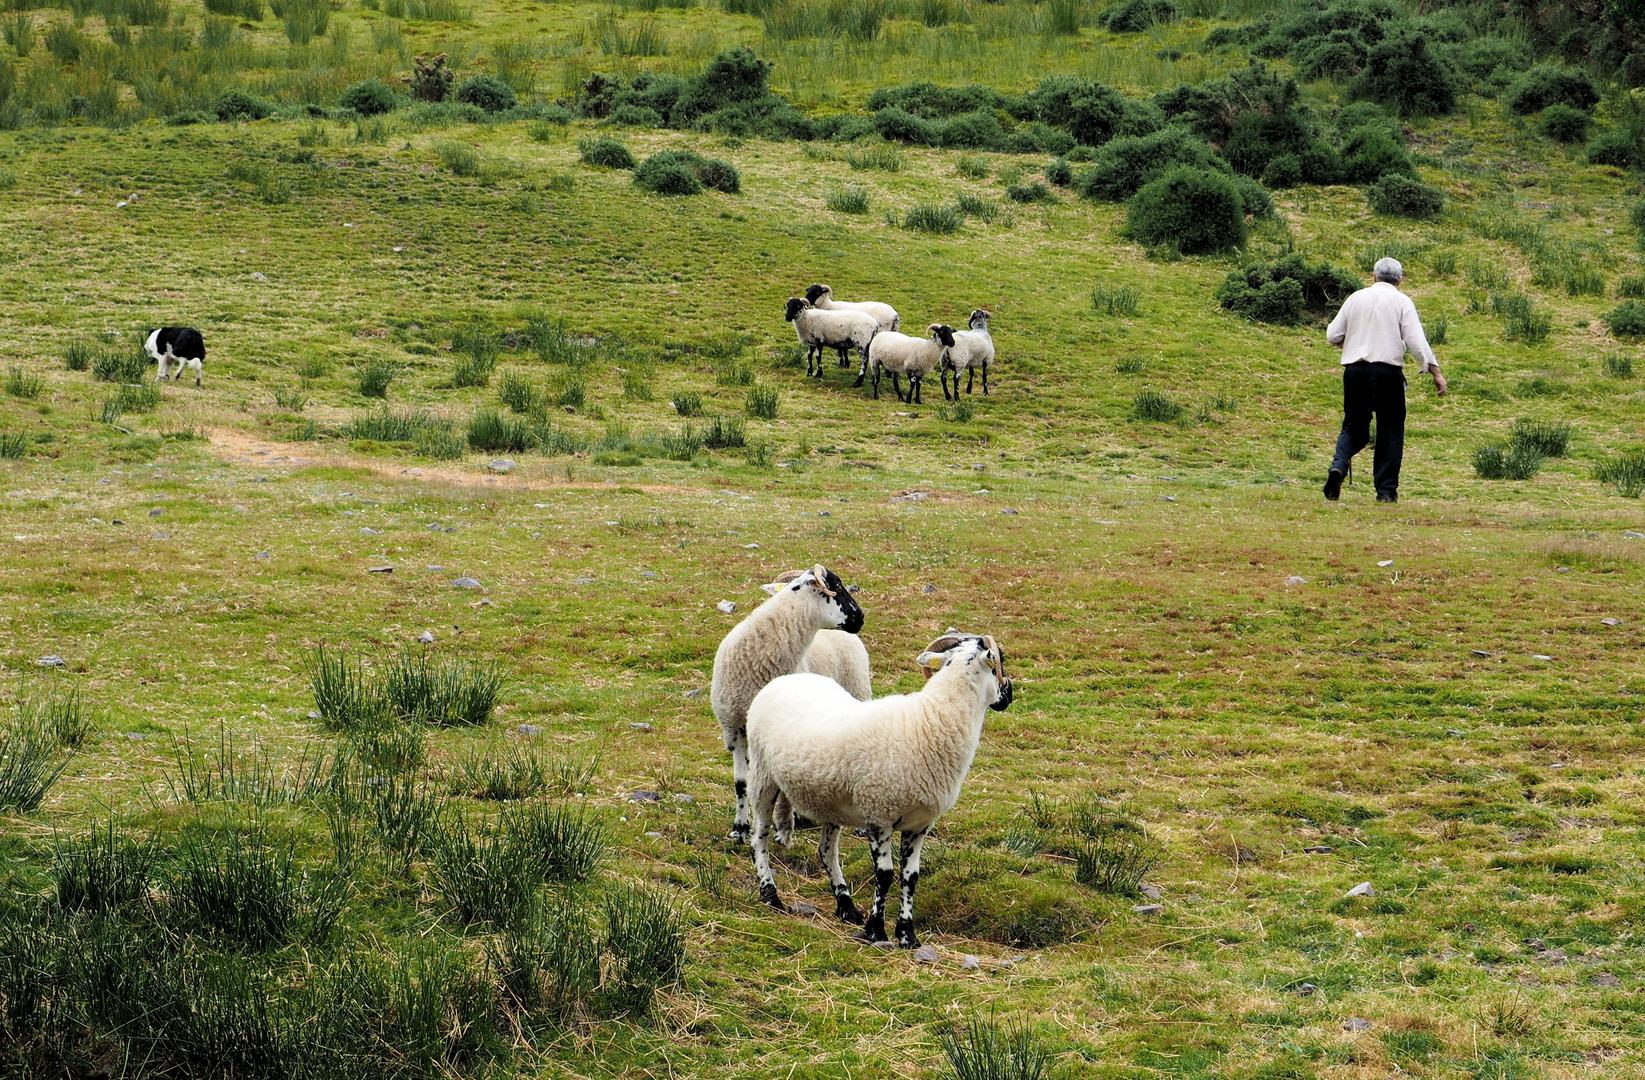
[[1030, 191], [1494, 62], [682, 172], [1340, 55], [900, 125], [237, 104], [1627, 319], [1404, 75], [1564, 123], [1631, 288], [1616, 147], [1155, 406], [974, 130], [1125, 165], [634, 116], [1060, 173], [1256, 200], [605, 153], [1281, 172], [370, 97], [487, 92], [1546, 84], [1403, 197], [1370, 153], [431, 80], [1134, 16], [1035, 137], [1089, 111], [1283, 290], [1194, 211], [491, 431]]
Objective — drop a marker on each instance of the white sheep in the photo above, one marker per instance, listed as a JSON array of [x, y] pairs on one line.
[[894, 764], [905, 355], [837, 330], [822, 297], [770, 643], [973, 349], [834, 653]]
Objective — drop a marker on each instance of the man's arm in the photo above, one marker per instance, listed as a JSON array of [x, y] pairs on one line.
[[1338, 330], [1410, 330]]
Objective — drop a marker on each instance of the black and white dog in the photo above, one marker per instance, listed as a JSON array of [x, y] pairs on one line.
[[180, 343]]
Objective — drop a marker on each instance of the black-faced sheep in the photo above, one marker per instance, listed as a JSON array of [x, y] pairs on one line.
[[837, 330], [180, 343], [901, 354], [822, 297], [973, 349]]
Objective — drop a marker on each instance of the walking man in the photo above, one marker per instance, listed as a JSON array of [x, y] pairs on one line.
[[1374, 329]]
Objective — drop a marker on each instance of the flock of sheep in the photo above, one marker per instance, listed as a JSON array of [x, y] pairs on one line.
[[792, 694], [870, 327]]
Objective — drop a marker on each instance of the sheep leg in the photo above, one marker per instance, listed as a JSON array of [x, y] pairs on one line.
[[896, 385], [784, 815], [943, 375], [971, 377], [879, 845], [845, 357], [985, 381], [876, 382], [738, 745], [765, 798], [862, 371], [916, 387], [828, 853], [911, 845]]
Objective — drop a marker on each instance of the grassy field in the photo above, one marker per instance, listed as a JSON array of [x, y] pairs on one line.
[[1216, 670]]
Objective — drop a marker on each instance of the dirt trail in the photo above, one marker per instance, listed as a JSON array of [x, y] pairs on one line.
[[242, 447]]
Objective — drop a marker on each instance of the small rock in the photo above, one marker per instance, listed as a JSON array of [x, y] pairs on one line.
[[1481, 653], [379, 569], [641, 726], [501, 464], [726, 607], [1610, 622], [1562, 569], [426, 637], [155, 512], [162, 536], [435, 569], [682, 797], [367, 530], [648, 573], [1631, 535], [644, 796], [1150, 891], [751, 547], [1355, 1023], [1295, 580], [928, 588], [969, 962], [262, 555], [696, 692], [804, 911], [1011, 511], [314, 714], [1165, 478], [1540, 656], [1005, 963], [529, 729], [466, 583], [1148, 909], [887, 946], [1385, 562], [1320, 849], [582, 581], [238, 509], [1168, 498], [51, 661], [1364, 888], [1305, 989], [925, 954], [1018, 959], [655, 835], [1552, 956], [1454, 733], [853, 588], [116, 521], [258, 276]]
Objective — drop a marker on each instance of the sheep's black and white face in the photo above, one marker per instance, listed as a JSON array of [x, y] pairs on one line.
[[795, 306], [979, 319], [827, 587], [816, 291], [944, 334], [972, 650]]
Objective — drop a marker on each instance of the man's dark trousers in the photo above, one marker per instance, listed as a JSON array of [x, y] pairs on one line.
[[1373, 388]]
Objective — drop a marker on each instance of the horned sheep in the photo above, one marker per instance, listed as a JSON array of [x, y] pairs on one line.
[[837, 330], [905, 355], [822, 298], [973, 349]]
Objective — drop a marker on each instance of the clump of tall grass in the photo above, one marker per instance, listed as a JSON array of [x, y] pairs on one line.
[[646, 938], [443, 691], [374, 377], [22, 383], [491, 431], [1155, 406], [1130, 364], [1115, 861], [253, 777], [516, 391], [291, 399], [730, 371], [850, 199], [1520, 320], [881, 156], [984, 1050], [1626, 472], [1122, 300], [20, 34], [519, 774], [484, 875], [688, 403], [344, 695], [479, 343], [13, 445], [958, 411], [761, 402], [1541, 436], [78, 355], [725, 433], [385, 425], [31, 760], [552, 342], [564, 844], [933, 219], [1618, 366], [550, 960], [120, 366], [246, 886], [102, 871], [1510, 461], [63, 716], [137, 397], [570, 392], [984, 210]]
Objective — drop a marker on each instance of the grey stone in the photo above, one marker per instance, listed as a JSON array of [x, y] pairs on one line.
[[925, 954], [887, 946], [1481, 653], [1385, 562], [1011, 511], [655, 835], [910, 496], [695, 692], [529, 729], [1364, 888], [969, 963], [725, 607], [1540, 656], [258, 275], [804, 911], [1018, 959], [1165, 478], [162, 536], [641, 726], [262, 555], [928, 588], [1305, 989], [466, 583], [682, 797], [379, 569], [1454, 733], [238, 509], [1631, 535], [51, 661], [1355, 1023], [314, 714], [367, 530], [825, 513], [501, 464], [435, 569], [751, 547], [648, 573], [116, 521], [582, 581], [1319, 849], [155, 512], [426, 637], [1148, 909], [1610, 622], [1169, 498], [1296, 580], [644, 796], [1150, 891]]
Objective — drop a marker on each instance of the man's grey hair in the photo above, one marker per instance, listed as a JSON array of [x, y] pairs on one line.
[[1388, 270]]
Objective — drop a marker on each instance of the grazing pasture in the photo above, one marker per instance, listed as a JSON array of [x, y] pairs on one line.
[[357, 716]]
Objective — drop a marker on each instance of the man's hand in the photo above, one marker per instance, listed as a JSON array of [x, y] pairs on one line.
[[1439, 382]]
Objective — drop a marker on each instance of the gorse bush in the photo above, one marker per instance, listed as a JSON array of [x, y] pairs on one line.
[[1548, 84], [682, 172], [1134, 16], [370, 97], [605, 153], [1564, 123], [1627, 319], [1192, 211], [1403, 197], [487, 92], [1403, 74]]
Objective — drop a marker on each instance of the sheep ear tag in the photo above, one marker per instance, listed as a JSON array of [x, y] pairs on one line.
[[930, 661], [771, 588]]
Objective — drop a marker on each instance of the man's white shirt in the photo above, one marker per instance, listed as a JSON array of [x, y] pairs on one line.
[[1379, 324]]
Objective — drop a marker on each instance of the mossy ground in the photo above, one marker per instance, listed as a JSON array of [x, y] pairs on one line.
[[1139, 575]]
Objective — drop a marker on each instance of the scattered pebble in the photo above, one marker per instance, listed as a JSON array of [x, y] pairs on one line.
[[51, 661], [466, 583], [1011, 511], [1481, 653], [751, 547], [426, 637], [262, 555], [529, 729], [1150, 891], [804, 911], [314, 714], [1562, 569], [1455, 733], [238, 509], [1295, 580], [1168, 498], [582, 581], [116, 521], [925, 954], [379, 569], [1540, 656], [1355, 1023], [694, 693], [1306, 989], [1364, 888], [682, 797], [1320, 849], [1148, 909], [367, 530], [641, 726], [162, 536], [644, 796], [1610, 622], [726, 607], [928, 588], [969, 962], [257, 275], [654, 835], [155, 512], [435, 569], [501, 464], [1385, 562], [1631, 535]]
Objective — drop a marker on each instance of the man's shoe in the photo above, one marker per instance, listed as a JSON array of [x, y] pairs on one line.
[[1388, 497], [1333, 484]]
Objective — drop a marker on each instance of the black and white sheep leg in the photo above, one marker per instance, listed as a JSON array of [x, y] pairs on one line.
[[879, 847], [738, 745], [828, 853], [912, 842], [763, 801]]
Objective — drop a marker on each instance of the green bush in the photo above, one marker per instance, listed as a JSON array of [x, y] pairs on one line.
[[1497, 461], [1060, 173], [1283, 290], [1546, 84], [1403, 74], [1541, 436], [1125, 165], [1196, 212], [1089, 111], [1256, 200], [1626, 472], [682, 172], [605, 153], [850, 199], [1627, 319], [1284, 171], [1370, 152], [370, 97], [1134, 16], [1618, 147], [1564, 123], [1031, 191], [985, 1050], [1155, 406], [486, 91], [237, 104], [1403, 197], [933, 219]]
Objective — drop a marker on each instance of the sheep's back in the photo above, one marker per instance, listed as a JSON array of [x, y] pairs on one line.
[[842, 657]]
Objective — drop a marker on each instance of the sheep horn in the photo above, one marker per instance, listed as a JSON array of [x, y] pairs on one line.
[[993, 652], [822, 579], [786, 576]]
